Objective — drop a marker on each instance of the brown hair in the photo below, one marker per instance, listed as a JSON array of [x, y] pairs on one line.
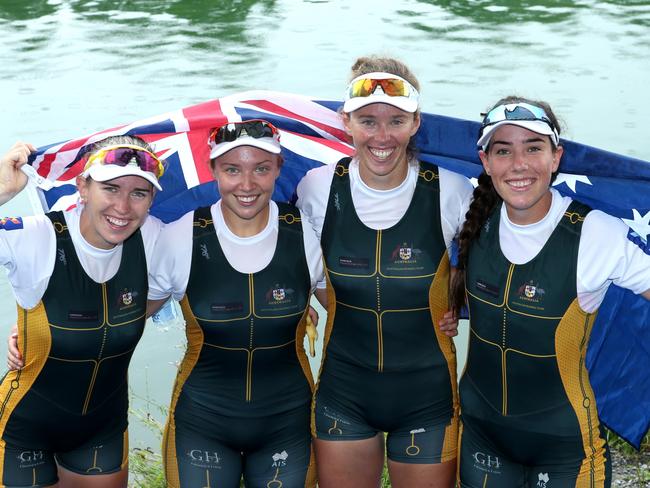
[[484, 200]]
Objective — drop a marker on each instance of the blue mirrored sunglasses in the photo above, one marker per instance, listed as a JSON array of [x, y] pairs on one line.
[[516, 111]]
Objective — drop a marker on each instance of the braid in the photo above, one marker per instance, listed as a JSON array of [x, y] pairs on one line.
[[484, 199]]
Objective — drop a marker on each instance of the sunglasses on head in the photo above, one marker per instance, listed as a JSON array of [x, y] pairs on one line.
[[516, 111], [392, 87], [256, 128], [126, 154]]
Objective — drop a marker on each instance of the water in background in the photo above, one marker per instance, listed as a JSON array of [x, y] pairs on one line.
[[73, 67]]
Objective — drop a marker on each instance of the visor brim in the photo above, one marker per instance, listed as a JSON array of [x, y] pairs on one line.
[[267, 144], [538, 126], [403, 103], [107, 172]]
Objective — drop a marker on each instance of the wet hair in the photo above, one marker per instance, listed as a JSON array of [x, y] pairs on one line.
[[484, 200], [373, 64]]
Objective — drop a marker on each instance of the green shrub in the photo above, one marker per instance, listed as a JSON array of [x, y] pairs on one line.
[[145, 468], [145, 465]]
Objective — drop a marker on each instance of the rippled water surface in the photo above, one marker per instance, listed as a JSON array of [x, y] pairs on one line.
[[71, 67]]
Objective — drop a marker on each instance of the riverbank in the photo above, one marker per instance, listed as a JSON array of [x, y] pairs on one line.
[[629, 467]]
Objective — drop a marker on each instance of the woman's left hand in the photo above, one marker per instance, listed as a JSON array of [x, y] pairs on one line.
[[449, 324], [14, 358], [312, 333]]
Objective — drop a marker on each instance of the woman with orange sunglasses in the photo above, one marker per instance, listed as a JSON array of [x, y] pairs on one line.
[[385, 222], [80, 282]]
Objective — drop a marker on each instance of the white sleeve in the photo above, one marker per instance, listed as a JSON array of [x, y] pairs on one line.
[[607, 256], [27, 251], [455, 196], [172, 259], [150, 231], [313, 193], [313, 253]]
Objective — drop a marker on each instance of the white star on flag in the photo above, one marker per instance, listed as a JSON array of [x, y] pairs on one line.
[[639, 224], [571, 180]]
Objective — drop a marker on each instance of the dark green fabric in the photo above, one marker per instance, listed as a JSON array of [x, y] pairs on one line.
[[220, 299], [383, 339], [78, 404], [410, 253], [85, 331], [542, 289]]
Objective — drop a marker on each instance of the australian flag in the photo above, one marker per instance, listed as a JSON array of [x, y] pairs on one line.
[[618, 356]]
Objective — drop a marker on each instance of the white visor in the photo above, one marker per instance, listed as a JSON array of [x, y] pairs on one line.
[[268, 144], [407, 103], [106, 172], [537, 126]]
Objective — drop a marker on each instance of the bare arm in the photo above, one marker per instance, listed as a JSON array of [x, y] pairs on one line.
[[12, 179], [321, 296], [646, 294], [15, 358], [449, 322], [154, 305]]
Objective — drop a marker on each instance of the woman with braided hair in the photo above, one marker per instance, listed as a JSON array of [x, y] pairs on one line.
[[534, 267]]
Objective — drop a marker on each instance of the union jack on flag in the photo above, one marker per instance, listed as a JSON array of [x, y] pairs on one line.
[[312, 135]]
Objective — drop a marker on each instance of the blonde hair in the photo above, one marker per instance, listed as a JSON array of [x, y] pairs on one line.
[[118, 141]]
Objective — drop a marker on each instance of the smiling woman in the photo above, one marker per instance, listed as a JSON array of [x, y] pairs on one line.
[[381, 134], [534, 267], [113, 209], [385, 222], [522, 158], [246, 175], [244, 270], [80, 282]]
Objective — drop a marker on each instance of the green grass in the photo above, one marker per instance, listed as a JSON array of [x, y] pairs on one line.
[[638, 460], [145, 465], [615, 442], [385, 482]]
